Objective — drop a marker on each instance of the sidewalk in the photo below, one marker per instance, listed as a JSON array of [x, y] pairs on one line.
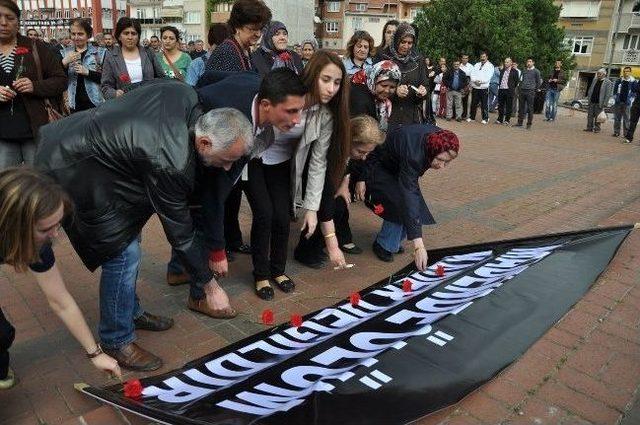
[[507, 183]]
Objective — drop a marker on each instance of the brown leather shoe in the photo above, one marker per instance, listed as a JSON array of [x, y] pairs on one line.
[[151, 322], [175, 279], [201, 306], [133, 357]]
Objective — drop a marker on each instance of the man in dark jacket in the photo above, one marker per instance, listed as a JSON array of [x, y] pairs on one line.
[[120, 168], [530, 84], [275, 101], [507, 83], [455, 80], [555, 84]]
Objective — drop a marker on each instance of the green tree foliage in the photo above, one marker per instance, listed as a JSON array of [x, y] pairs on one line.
[[515, 28]]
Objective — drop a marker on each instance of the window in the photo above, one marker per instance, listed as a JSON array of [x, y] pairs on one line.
[[222, 7], [58, 14], [333, 6], [589, 9], [630, 42], [67, 13], [331, 27], [192, 17], [580, 45], [357, 24], [374, 20], [361, 7]]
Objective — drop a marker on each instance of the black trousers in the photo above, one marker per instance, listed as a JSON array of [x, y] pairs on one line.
[[7, 335], [480, 97], [341, 221], [310, 250], [526, 100], [505, 104], [269, 194], [232, 232], [465, 105], [633, 120]]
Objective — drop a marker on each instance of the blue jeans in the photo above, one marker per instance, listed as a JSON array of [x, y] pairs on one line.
[[119, 304], [391, 236], [552, 104]]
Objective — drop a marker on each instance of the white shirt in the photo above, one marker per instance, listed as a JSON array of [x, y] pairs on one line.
[[282, 148], [482, 72], [134, 68], [467, 69]]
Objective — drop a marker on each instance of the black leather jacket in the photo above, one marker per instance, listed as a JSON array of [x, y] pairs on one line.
[[124, 161]]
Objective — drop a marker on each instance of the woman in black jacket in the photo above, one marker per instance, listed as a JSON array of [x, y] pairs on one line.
[[407, 104], [371, 92], [273, 52], [392, 187]]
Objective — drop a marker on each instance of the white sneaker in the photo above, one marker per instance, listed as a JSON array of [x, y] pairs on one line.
[[468, 119], [484, 121], [9, 381], [626, 141]]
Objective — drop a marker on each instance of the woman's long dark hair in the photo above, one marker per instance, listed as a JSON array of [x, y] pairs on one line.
[[339, 106], [384, 30]]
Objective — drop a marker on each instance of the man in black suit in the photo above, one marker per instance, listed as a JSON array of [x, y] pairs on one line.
[[509, 80], [275, 101]]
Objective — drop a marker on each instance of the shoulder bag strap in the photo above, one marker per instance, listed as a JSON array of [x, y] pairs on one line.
[[177, 73], [36, 59]]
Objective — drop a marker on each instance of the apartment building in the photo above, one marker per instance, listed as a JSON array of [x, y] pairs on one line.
[[297, 15], [51, 17], [624, 48], [188, 16]]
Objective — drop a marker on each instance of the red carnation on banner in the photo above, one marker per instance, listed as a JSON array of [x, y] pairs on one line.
[[440, 270], [355, 299], [285, 56], [378, 209], [133, 389], [406, 286], [296, 320], [267, 317], [359, 77], [124, 78]]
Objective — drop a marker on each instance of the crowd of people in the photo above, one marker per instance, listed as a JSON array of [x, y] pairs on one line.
[[166, 128]]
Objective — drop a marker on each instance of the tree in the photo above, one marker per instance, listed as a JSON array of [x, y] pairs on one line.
[[515, 28]]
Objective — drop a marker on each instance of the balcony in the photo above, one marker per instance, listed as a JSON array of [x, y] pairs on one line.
[[629, 22], [174, 12], [144, 2], [626, 57]]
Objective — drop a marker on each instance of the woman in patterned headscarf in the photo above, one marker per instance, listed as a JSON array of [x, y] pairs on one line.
[[273, 52], [407, 104], [371, 92]]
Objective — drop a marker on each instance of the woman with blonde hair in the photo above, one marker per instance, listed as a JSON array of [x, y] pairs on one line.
[[31, 209]]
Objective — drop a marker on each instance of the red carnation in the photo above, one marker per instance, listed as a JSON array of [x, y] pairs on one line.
[[124, 78], [359, 77], [20, 51], [354, 298], [387, 65], [133, 389], [378, 209], [296, 320], [440, 270], [267, 317], [285, 56], [406, 286]]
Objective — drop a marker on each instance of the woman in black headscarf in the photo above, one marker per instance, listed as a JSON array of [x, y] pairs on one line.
[[273, 52], [407, 104]]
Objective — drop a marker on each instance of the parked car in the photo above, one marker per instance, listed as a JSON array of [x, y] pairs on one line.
[[583, 104]]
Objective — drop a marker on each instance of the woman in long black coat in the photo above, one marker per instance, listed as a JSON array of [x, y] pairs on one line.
[[412, 90], [392, 187], [273, 52]]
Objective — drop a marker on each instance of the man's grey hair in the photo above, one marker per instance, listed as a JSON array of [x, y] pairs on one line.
[[224, 126]]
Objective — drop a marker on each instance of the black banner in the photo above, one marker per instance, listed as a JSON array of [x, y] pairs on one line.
[[413, 344]]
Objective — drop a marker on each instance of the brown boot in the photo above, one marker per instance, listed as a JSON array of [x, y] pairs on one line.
[[175, 279], [201, 306], [133, 357]]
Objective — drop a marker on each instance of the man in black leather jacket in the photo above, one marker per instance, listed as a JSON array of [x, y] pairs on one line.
[[121, 163]]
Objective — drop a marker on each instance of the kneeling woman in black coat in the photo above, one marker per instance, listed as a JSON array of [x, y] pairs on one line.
[[392, 189]]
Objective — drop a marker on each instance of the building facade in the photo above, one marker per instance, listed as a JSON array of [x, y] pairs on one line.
[[624, 48], [188, 16], [51, 17]]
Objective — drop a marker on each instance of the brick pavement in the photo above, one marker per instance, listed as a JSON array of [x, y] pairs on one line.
[[507, 183]]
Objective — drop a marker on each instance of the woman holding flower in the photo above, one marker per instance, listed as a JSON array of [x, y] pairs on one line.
[[22, 92], [83, 63], [174, 61], [128, 64], [273, 52]]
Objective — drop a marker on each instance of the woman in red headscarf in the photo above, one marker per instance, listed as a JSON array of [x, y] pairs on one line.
[[392, 190]]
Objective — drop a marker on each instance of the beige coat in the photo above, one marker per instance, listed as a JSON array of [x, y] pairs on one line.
[[315, 142]]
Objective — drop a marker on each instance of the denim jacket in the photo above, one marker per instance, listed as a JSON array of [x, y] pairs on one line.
[[93, 61]]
